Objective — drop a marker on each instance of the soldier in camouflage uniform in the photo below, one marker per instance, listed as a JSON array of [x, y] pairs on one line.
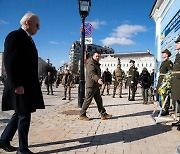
[[165, 66], [118, 76]]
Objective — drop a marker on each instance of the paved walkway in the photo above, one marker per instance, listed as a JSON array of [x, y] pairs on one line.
[[57, 129]]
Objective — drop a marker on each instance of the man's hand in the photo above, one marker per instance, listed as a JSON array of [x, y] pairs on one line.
[[19, 90], [100, 82], [132, 82]]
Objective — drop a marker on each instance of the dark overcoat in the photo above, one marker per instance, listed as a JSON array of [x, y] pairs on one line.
[[176, 79], [131, 76], [21, 65], [166, 66]]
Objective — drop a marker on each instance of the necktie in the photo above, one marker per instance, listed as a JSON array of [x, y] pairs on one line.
[[31, 40]]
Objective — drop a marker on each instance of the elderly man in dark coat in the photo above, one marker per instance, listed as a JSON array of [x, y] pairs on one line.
[[22, 91], [176, 79]]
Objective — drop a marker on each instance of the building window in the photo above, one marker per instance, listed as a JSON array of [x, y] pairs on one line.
[[105, 65], [146, 64], [150, 64], [142, 65], [137, 65], [114, 64]]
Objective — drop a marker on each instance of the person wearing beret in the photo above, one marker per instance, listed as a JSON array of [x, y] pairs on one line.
[[165, 66], [176, 79]]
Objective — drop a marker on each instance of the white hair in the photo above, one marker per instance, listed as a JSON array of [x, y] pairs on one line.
[[27, 17]]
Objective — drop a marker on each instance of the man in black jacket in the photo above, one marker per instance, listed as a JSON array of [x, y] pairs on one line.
[[107, 79], [22, 92]]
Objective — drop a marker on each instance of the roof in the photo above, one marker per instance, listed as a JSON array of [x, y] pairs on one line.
[[129, 54], [156, 5]]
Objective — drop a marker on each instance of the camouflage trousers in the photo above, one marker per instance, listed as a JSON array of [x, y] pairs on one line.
[[118, 84], [67, 88]]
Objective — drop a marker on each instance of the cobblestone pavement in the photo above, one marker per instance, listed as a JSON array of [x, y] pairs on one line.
[[131, 130]]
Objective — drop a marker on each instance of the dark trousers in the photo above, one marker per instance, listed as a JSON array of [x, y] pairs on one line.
[[49, 86], [145, 92], [90, 94], [22, 123], [132, 91]]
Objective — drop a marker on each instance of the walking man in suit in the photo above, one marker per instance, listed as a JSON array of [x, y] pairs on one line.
[[22, 92]]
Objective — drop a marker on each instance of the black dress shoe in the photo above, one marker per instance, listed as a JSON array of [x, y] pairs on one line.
[[164, 113], [176, 124], [7, 147], [25, 152], [178, 128], [131, 99]]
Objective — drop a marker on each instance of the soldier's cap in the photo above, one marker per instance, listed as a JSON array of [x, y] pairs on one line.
[[167, 52], [178, 39], [132, 61]]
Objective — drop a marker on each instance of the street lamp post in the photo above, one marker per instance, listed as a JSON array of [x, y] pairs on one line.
[[84, 8]]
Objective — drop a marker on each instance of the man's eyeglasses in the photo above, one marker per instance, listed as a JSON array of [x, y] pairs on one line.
[[37, 25]]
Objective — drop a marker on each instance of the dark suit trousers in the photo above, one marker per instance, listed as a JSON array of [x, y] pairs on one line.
[[90, 94], [22, 123]]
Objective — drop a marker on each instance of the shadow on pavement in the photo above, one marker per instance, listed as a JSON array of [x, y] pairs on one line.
[[130, 115], [130, 103], [125, 136]]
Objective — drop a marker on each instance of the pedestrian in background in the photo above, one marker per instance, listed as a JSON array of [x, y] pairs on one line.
[[49, 80], [67, 82], [118, 75], [22, 92], [106, 79], [93, 83], [145, 83], [132, 80], [165, 66]]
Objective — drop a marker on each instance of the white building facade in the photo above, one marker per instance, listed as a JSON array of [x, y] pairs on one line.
[[166, 14], [142, 59]]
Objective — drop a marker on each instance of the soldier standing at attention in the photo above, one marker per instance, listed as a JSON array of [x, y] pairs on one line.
[[132, 80], [176, 80], [118, 76], [165, 66], [93, 82]]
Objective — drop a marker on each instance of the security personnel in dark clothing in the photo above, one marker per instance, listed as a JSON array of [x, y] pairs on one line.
[[107, 79], [132, 80], [166, 66], [176, 80]]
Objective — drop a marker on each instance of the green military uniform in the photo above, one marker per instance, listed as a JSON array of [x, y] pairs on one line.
[[67, 81], [132, 82], [118, 75], [176, 79], [165, 66], [176, 82], [93, 74]]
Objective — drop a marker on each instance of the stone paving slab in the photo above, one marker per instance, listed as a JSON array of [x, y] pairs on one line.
[[131, 130]]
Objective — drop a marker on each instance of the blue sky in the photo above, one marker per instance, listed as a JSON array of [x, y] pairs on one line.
[[123, 25]]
